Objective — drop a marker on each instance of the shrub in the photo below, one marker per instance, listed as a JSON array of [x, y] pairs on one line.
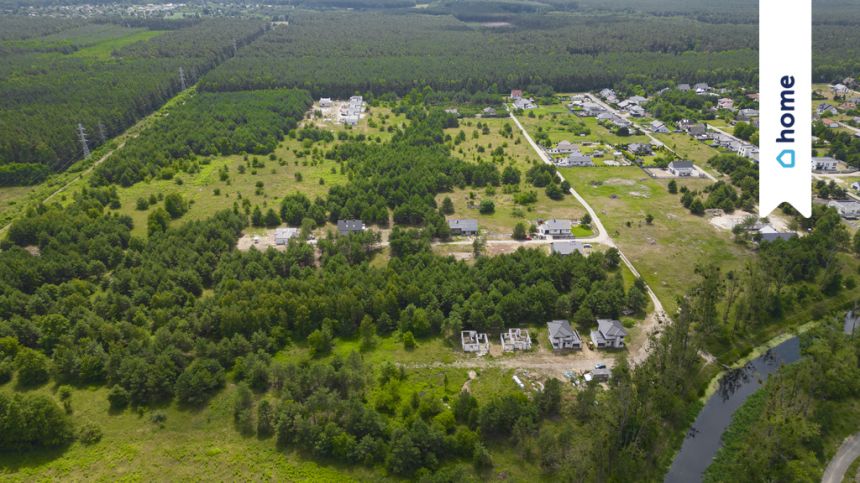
[[90, 433]]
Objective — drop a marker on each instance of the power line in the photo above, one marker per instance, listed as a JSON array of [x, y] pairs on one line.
[[82, 136], [182, 78]]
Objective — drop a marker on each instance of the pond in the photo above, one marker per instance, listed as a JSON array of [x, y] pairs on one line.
[[705, 436]]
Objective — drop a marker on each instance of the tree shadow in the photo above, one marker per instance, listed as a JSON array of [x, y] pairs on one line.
[[14, 461]]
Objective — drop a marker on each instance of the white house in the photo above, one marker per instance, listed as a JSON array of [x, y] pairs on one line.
[[556, 229], [516, 340], [726, 103], [848, 209], [325, 102], [283, 235], [681, 168], [563, 147], [840, 89], [525, 104], [474, 341], [824, 164], [609, 333], [562, 336]]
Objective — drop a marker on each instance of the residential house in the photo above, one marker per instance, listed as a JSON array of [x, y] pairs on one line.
[[640, 149], [702, 88], [516, 94], [609, 334], [474, 341], [768, 234], [681, 168], [638, 100], [562, 336], [848, 209], [746, 115], [824, 164], [574, 160], [467, 227], [488, 112], [590, 109], [564, 147], [621, 122], [516, 340], [849, 82], [748, 151], [696, 130], [453, 111], [325, 102], [659, 127], [525, 104], [683, 87], [637, 111], [848, 106], [829, 123], [556, 228], [346, 227], [283, 235], [826, 108], [839, 89], [624, 104], [726, 103], [607, 93], [565, 248]]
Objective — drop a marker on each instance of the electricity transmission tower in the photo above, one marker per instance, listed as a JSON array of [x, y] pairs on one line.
[[102, 133], [182, 78], [82, 135]]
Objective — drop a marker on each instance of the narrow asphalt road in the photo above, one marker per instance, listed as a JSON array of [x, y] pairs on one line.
[[847, 453]]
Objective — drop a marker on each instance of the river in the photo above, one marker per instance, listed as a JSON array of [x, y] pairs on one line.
[[705, 436]]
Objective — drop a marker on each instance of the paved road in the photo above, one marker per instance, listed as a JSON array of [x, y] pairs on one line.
[[650, 136], [603, 235], [847, 453]]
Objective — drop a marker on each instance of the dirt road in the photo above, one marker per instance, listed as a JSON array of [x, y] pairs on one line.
[[845, 455]]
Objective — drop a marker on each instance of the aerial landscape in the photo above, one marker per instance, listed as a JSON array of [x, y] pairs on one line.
[[386, 240]]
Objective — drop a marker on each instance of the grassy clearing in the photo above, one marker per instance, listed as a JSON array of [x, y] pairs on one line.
[[293, 160], [517, 152], [667, 251], [104, 49], [689, 148], [552, 119]]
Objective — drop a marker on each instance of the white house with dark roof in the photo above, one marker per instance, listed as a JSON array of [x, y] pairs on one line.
[[524, 104], [609, 334], [474, 341], [574, 159], [565, 248], [636, 111], [556, 228], [325, 101], [681, 168], [346, 227], [283, 235], [463, 227], [562, 336], [516, 340], [640, 149], [848, 209], [702, 88]]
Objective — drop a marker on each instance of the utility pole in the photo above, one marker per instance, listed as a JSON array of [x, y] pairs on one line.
[[102, 133], [82, 135], [182, 78]]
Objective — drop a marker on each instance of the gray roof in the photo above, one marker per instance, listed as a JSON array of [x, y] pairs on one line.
[[349, 226], [464, 225], [286, 232], [557, 224], [566, 247], [561, 329], [681, 164], [683, 87], [610, 328]]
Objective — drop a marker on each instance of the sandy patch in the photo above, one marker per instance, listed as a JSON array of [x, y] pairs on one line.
[[619, 182]]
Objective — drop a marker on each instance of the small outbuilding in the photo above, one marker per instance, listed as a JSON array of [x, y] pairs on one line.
[[283, 235], [347, 227]]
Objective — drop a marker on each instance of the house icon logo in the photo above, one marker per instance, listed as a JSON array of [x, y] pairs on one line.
[[786, 158]]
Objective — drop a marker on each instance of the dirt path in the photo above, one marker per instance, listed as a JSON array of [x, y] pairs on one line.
[[845, 455], [603, 238]]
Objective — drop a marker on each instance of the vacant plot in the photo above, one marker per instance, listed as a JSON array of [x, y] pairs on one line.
[[249, 181], [558, 123], [494, 142], [688, 148], [667, 251]]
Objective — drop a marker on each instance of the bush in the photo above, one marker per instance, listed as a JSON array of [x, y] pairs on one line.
[[118, 397], [32, 420], [487, 207], [199, 380], [5, 372], [33, 367], [90, 433]]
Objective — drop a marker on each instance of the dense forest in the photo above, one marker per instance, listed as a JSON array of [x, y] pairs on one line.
[[75, 75], [382, 53], [206, 125]]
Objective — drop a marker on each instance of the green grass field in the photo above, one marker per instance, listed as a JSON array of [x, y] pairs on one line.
[[519, 153], [278, 176], [559, 124], [667, 251]]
